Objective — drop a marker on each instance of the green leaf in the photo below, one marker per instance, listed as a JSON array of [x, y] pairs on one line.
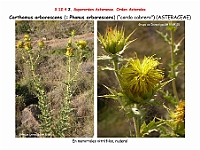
[[107, 68], [165, 36], [176, 65], [163, 130], [126, 46], [104, 57], [146, 129], [164, 83], [110, 90], [154, 102], [143, 127], [176, 46], [114, 94], [122, 59], [115, 97], [168, 97], [64, 129], [171, 27]]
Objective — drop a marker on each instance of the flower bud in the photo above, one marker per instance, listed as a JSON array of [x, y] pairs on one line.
[[40, 44], [27, 38], [180, 112], [73, 32], [82, 44], [114, 41], [178, 117], [20, 44], [27, 46], [69, 51]]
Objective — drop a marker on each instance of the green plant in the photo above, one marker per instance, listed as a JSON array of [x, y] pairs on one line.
[[56, 123], [64, 123], [176, 109], [31, 58]]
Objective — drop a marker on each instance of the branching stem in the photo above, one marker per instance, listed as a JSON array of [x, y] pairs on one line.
[[172, 66]]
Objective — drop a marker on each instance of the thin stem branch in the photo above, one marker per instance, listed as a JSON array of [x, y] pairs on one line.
[[116, 67], [69, 79], [136, 126], [137, 121], [172, 66]]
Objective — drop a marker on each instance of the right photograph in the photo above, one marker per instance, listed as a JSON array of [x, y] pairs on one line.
[[141, 79]]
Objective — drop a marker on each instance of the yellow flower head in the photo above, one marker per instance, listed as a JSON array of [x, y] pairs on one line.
[[140, 80], [82, 44], [73, 32], [180, 112], [27, 38], [69, 51], [27, 46], [178, 118], [41, 44], [20, 44], [114, 40]]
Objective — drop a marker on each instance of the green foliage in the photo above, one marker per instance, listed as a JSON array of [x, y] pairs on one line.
[[22, 27], [168, 97], [31, 59], [165, 37], [146, 129], [175, 46]]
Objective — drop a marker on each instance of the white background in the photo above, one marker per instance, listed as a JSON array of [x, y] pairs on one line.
[[46, 8]]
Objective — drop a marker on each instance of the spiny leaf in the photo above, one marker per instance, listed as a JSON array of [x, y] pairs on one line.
[[163, 84], [115, 97], [104, 57], [168, 97], [176, 46], [114, 94], [176, 64], [143, 127], [154, 102], [125, 47], [122, 59], [165, 36], [130, 36], [153, 125], [110, 90], [107, 68]]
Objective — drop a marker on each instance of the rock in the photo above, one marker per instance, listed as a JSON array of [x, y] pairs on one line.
[[30, 119]]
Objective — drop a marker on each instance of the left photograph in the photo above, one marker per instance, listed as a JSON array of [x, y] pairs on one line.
[[54, 79]]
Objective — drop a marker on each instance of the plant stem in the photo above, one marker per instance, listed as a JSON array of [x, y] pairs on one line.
[[116, 67], [136, 119], [115, 62], [136, 126], [69, 79], [172, 66], [32, 66], [45, 118]]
